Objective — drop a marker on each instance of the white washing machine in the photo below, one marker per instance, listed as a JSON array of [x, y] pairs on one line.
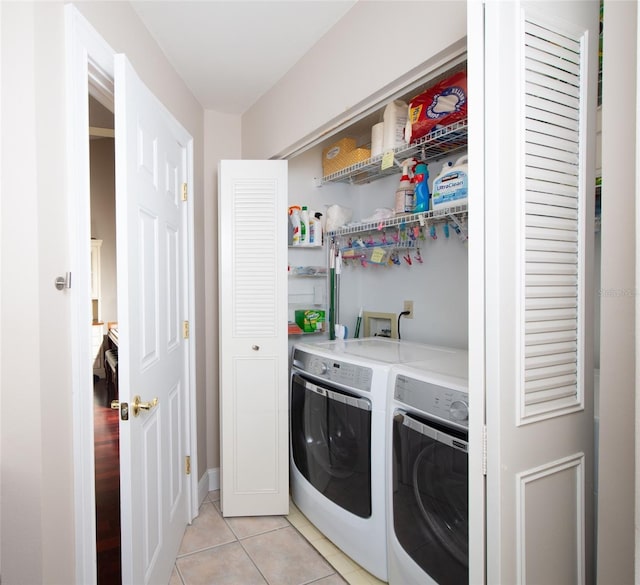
[[338, 400], [427, 479]]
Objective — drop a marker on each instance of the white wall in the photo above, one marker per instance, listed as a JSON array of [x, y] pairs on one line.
[[221, 141], [438, 287], [24, 442], [37, 539], [359, 59]]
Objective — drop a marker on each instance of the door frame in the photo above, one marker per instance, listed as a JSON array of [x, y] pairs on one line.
[[90, 67], [476, 301]]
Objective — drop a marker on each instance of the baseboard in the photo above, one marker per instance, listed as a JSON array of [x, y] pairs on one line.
[[209, 482]]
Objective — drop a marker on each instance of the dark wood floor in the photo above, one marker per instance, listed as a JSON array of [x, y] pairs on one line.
[[107, 463]]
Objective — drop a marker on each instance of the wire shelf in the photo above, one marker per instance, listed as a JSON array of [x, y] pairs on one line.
[[424, 218], [437, 144]]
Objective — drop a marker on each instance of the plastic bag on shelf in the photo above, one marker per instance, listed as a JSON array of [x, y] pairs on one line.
[[337, 216]]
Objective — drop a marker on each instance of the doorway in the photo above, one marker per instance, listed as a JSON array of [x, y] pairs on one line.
[[104, 324], [92, 72]]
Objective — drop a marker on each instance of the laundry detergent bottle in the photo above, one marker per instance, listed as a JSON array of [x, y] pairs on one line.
[[451, 186], [294, 218], [304, 226], [421, 186]]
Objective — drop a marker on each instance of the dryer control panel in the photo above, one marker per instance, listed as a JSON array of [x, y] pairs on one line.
[[437, 401], [336, 371]]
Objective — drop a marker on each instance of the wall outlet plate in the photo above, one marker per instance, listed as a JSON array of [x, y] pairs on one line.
[[408, 306]]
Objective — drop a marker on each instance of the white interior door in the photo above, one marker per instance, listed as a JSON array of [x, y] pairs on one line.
[[152, 228], [539, 129], [253, 337]]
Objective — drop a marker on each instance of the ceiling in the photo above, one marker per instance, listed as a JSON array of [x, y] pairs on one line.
[[230, 52]]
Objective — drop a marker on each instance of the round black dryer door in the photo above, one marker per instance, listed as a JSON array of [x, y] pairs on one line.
[[430, 496], [331, 443]]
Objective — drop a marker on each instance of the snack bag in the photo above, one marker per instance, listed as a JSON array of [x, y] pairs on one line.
[[441, 105]]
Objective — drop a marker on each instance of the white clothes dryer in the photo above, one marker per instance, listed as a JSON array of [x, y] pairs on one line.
[[338, 400], [427, 479]]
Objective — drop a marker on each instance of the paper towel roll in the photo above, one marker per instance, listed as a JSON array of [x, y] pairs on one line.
[[395, 118], [377, 137]]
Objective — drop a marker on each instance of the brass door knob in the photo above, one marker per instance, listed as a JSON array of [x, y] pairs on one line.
[[138, 405]]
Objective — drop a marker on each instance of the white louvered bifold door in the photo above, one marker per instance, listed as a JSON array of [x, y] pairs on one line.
[[553, 223], [540, 82], [252, 275]]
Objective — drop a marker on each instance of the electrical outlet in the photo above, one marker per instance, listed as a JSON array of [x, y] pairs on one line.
[[408, 306]]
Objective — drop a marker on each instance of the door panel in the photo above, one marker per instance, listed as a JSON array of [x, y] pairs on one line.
[[538, 132], [251, 473], [151, 165], [252, 239], [544, 517]]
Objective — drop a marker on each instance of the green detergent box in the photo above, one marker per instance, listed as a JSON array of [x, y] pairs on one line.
[[310, 320]]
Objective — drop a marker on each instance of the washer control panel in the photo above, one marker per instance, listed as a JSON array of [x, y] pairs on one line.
[[441, 402], [344, 373]]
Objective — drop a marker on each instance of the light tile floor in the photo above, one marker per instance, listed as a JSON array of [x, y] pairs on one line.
[[267, 550]]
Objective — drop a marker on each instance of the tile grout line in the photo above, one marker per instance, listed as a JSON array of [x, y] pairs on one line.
[[344, 575], [200, 550], [335, 571], [179, 572], [289, 525], [246, 552], [240, 540]]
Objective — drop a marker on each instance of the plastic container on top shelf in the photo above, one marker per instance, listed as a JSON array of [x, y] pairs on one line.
[[395, 119]]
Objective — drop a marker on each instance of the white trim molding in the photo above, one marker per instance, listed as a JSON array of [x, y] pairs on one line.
[[209, 482], [555, 494], [85, 51]]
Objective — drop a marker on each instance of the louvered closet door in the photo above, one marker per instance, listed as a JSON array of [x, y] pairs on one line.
[[540, 82], [252, 260]]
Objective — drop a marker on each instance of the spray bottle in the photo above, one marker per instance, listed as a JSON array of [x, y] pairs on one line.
[[421, 181], [404, 201], [315, 229]]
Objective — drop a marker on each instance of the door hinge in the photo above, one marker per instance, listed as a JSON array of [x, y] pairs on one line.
[[185, 329], [187, 464], [184, 191], [484, 450]]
